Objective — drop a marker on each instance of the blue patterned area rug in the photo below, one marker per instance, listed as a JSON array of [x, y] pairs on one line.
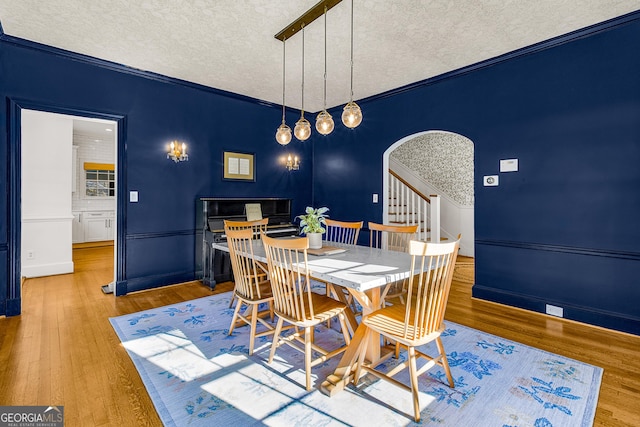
[[197, 375]]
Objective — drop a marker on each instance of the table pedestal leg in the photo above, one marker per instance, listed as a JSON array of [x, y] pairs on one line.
[[370, 301], [343, 375]]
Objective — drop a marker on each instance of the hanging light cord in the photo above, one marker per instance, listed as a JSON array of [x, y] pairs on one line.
[[351, 50], [325, 59], [284, 70], [302, 111]]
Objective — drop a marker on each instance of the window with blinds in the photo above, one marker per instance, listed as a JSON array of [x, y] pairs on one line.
[[100, 180]]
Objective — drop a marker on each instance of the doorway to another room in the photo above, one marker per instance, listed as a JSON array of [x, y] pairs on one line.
[[68, 194]]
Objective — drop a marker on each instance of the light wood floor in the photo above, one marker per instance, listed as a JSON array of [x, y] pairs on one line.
[[62, 350]]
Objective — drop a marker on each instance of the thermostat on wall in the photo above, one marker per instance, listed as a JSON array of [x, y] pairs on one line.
[[490, 180], [509, 165]]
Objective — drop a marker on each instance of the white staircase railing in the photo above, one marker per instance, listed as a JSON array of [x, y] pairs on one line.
[[407, 206]]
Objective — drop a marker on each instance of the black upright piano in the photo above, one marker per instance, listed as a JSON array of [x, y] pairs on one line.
[[214, 266]]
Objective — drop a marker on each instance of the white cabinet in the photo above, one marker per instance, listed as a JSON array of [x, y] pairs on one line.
[[74, 169], [77, 228], [98, 226], [111, 228]]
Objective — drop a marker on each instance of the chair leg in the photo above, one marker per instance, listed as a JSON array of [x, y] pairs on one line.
[[413, 373], [235, 317], [344, 328], [445, 363], [254, 323], [328, 293], [233, 298], [276, 336], [351, 301], [307, 355]]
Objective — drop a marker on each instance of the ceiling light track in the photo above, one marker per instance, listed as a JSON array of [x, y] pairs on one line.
[[307, 18]]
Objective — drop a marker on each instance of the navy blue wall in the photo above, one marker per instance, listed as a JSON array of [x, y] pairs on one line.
[[159, 230], [564, 229]]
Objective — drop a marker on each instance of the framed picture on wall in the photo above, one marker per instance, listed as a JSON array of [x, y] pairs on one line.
[[238, 166]]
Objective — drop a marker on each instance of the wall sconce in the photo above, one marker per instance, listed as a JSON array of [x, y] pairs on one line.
[[177, 152], [293, 163]]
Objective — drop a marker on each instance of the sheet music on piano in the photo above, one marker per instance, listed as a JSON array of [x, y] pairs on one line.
[[253, 211]]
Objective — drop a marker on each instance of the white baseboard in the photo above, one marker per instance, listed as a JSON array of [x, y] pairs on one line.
[[47, 269]]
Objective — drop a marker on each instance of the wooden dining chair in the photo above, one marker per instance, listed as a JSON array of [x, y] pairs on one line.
[[251, 285], [257, 226], [342, 231], [345, 232], [295, 304], [392, 238], [420, 320]]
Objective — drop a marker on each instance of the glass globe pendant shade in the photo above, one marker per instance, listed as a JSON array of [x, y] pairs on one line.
[[283, 134], [351, 115], [324, 123], [302, 131]]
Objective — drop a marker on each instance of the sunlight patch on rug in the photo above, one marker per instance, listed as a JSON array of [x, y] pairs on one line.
[[197, 375], [174, 352]]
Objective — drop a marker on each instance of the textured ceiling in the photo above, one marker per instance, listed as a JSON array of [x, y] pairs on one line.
[[230, 44]]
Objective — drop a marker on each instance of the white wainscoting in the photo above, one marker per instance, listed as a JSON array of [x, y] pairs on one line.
[[46, 246]]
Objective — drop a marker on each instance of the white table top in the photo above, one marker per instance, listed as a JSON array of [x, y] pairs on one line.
[[359, 267]]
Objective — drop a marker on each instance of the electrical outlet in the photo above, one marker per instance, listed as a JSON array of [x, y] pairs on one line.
[[30, 254], [555, 311]]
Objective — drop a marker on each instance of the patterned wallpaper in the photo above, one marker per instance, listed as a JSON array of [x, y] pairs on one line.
[[444, 160]]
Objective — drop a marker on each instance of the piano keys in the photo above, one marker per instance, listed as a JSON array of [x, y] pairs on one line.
[[272, 231]]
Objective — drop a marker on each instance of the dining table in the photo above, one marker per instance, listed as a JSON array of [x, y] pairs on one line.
[[364, 272]]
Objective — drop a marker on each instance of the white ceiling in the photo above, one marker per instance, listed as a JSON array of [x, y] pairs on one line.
[[229, 45], [103, 130]]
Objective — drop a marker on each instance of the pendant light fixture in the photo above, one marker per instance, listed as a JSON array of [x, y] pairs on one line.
[[283, 134], [324, 121], [351, 115], [302, 131]]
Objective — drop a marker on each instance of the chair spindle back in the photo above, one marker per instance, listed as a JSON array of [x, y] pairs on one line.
[[342, 231], [391, 237], [289, 275], [256, 226], [432, 265], [246, 273]]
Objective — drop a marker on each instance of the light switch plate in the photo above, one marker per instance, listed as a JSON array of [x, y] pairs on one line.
[[133, 196], [491, 180], [375, 198]]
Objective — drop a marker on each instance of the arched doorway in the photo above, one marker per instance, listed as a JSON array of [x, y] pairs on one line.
[[438, 162]]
